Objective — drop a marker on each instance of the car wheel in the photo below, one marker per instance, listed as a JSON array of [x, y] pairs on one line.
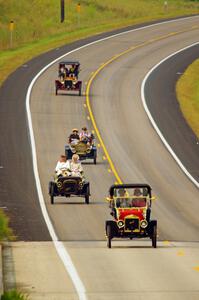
[[109, 235], [87, 199], [80, 90], [154, 236], [95, 158], [51, 192]]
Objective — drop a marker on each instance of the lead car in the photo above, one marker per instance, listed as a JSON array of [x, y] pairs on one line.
[[131, 211]]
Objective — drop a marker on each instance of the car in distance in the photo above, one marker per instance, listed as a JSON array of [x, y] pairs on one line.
[[131, 213], [84, 151], [68, 73]]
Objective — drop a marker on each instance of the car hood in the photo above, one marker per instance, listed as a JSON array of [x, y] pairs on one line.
[[122, 213]]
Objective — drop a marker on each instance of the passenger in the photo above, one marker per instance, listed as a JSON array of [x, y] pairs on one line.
[[62, 167], [86, 137], [74, 138], [139, 201], [75, 167], [72, 70]]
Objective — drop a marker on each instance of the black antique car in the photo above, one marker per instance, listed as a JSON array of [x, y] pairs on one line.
[[131, 211], [68, 73], [83, 150], [68, 186]]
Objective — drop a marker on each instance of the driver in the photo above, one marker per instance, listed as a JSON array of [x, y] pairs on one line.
[[62, 166], [122, 202], [73, 138]]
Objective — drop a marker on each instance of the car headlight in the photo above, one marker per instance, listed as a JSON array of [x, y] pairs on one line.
[[59, 184], [144, 223], [120, 224]]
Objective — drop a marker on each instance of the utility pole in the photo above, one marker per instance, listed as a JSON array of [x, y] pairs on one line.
[[62, 10]]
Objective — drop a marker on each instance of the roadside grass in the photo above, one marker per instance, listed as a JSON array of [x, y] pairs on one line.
[[6, 232], [38, 28], [187, 89], [14, 295]]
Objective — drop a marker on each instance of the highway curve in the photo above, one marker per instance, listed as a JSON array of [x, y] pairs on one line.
[[131, 269]]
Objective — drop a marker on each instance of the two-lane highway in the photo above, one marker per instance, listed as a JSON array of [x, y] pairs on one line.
[[131, 269], [138, 156]]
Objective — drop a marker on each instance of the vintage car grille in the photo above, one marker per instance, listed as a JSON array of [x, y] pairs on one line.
[[132, 224], [67, 186]]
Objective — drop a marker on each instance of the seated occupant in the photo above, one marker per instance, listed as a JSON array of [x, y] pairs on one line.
[[86, 136], [62, 166], [74, 138], [121, 200], [139, 201], [72, 70], [75, 166]]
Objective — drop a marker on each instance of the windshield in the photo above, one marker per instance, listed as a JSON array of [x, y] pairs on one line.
[[128, 202]]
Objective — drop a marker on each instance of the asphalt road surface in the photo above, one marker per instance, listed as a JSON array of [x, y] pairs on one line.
[[131, 269]]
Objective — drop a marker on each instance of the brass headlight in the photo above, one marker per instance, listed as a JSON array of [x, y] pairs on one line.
[[144, 223], [59, 184], [120, 224]]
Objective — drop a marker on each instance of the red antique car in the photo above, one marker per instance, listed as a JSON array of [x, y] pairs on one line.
[[131, 211], [68, 77]]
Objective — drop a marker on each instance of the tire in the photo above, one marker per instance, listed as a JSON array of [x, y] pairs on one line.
[[95, 157], [56, 91], [109, 235], [87, 195], [154, 236], [51, 192], [80, 90]]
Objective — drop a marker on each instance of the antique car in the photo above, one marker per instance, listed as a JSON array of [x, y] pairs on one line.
[[68, 77], [84, 151], [131, 211], [68, 186]]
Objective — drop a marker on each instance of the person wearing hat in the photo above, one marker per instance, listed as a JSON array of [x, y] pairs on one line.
[[85, 136], [74, 138]]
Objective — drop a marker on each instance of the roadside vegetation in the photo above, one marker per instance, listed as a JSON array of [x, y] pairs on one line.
[[14, 295], [37, 26], [5, 231], [188, 95]]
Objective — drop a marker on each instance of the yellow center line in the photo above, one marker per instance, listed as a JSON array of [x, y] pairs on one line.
[[93, 76]]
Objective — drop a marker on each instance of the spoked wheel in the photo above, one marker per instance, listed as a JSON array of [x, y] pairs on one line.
[[154, 236], [109, 235]]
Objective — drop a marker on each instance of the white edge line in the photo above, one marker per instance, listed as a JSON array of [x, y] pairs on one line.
[[61, 250], [152, 120]]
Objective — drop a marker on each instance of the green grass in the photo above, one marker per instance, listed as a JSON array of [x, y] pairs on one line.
[[5, 231], [38, 28], [188, 95], [14, 295]]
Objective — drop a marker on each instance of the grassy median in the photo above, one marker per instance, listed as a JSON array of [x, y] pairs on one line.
[[188, 95]]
